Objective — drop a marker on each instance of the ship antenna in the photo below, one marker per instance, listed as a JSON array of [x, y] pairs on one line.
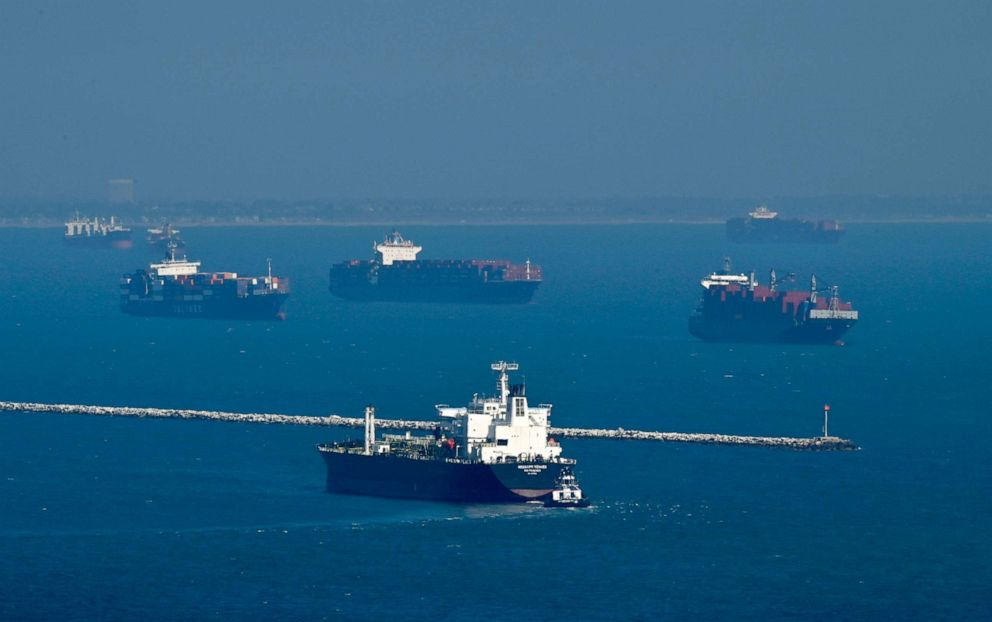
[[726, 265], [503, 385], [269, 260], [812, 288]]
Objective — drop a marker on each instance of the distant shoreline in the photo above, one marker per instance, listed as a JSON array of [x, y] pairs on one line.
[[507, 223]]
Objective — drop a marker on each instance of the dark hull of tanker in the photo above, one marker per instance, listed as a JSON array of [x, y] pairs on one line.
[[265, 307], [492, 292], [437, 480], [744, 231], [778, 330]]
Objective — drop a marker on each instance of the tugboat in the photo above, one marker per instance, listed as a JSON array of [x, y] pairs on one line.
[[567, 493], [395, 274], [495, 450]]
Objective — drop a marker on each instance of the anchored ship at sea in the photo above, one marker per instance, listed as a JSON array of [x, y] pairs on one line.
[[396, 274], [735, 307], [494, 450], [764, 225], [96, 232], [165, 236], [176, 287]]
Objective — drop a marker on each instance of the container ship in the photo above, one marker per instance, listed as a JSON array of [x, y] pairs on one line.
[[735, 307], [177, 288], [395, 274], [494, 450], [165, 236], [764, 225], [96, 233]]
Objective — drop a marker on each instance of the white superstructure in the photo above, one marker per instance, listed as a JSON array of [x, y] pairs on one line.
[[84, 227], [763, 213], [502, 428], [178, 267], [396, 248], [726, 278]]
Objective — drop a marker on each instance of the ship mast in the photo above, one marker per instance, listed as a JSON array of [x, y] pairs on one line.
[[503, 384]]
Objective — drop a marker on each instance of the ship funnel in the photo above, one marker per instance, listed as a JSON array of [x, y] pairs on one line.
[[369, 429]]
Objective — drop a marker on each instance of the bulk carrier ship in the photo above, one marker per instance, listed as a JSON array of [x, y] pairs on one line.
[[764, 225], [735, 307], [98, 233], [495, 450], [395, 274], [165, 236], [177, 288]]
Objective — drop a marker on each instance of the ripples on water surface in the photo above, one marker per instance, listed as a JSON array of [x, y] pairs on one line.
[[115, 519]]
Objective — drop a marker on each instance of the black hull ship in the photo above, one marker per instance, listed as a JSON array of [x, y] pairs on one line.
[[164, 237], [177, 288], [395, 274], [736, 308], [495, 450], [97, 233], [764, 226]]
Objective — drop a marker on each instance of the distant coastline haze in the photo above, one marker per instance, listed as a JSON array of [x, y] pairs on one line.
[[448, 101]]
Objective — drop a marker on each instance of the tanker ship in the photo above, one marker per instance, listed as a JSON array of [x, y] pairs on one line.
[[86, 232], [735, 307], [764, 225], [494, 450], [395, 274], [176, 287]]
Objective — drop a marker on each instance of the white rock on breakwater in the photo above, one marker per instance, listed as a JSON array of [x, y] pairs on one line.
[[814, 443]]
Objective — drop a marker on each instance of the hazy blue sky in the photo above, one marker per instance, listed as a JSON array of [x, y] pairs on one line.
[[468, 99]]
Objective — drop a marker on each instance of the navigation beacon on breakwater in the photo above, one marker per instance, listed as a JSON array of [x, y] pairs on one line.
[[495, 450], [396, 274]]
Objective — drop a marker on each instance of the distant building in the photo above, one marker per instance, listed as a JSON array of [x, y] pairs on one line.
[[121, 191]]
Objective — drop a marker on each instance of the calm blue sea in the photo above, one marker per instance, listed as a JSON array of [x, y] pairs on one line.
[[122, 519]]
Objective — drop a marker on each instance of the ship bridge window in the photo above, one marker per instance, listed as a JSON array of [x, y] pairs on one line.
[[502, 441]]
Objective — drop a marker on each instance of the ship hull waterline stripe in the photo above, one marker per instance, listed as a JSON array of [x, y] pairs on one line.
[[813, 443]]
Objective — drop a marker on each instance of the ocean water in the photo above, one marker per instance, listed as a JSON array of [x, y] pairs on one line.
[[120, 519]]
